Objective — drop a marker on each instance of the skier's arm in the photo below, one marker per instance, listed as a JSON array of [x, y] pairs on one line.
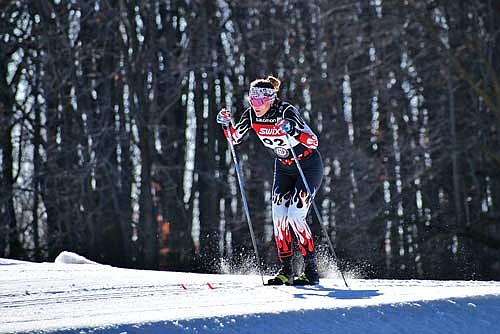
[[237, 132], [299, 129]]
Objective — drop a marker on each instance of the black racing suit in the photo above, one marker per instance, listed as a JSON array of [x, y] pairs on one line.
[[291, 201]]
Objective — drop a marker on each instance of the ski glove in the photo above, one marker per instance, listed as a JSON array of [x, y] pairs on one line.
[[224, 117], [285, 126]]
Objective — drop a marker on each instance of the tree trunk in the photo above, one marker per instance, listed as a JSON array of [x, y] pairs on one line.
[[9, 225]]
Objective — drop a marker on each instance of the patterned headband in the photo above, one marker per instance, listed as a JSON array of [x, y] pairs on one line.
[[261, 92]]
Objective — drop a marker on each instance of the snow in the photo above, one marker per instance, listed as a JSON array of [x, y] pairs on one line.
[[75, 295], [72, 258]]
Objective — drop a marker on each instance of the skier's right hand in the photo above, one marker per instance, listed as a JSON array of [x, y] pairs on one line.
[[224, 117]]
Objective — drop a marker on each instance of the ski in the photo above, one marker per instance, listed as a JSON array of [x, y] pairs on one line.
[[296, 282]]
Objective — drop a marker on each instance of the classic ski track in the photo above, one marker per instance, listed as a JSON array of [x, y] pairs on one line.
[[122, 292], [144, 292], [207, 305], [130, 291]]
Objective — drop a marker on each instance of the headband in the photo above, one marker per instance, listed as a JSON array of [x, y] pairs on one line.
[[261, 92]]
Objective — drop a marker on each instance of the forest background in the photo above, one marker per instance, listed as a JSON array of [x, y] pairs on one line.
[[109, 145]]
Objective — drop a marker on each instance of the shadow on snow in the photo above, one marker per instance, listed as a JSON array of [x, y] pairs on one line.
[[335, 293]]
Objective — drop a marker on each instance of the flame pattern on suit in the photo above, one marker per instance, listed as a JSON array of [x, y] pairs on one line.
[[291, 210]]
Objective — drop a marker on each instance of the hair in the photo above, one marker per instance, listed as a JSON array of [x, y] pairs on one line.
[[269, 82]]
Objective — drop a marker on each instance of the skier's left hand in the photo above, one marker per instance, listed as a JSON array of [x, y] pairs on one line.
[[284, 125]]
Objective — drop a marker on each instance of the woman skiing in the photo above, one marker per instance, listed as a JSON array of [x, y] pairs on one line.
[[272, 119]]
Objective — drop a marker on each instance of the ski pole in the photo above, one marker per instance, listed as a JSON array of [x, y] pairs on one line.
[[245, 204], [309, 192]]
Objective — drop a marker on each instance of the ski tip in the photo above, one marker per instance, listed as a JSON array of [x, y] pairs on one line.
[[184, 287], [210, 286]]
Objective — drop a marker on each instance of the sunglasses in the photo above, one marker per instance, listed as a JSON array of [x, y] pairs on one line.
[[257, 102]]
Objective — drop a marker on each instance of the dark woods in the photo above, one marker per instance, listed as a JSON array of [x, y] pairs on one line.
[[109, 146]]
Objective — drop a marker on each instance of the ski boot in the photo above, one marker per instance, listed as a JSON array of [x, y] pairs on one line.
[[310, 275], [285, 275]]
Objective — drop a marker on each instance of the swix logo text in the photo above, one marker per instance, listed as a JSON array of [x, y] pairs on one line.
[[269, 131]]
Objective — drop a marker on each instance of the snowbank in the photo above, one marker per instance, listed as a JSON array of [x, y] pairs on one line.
[[72, 258]]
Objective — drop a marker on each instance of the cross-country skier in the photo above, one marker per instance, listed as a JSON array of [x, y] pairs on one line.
[[271, 118]]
